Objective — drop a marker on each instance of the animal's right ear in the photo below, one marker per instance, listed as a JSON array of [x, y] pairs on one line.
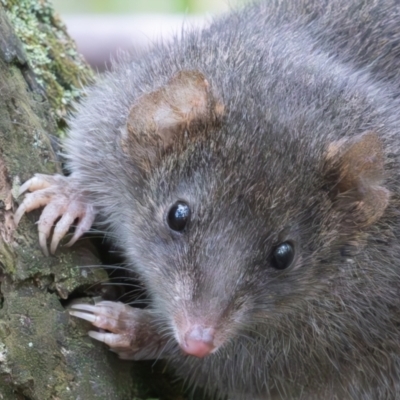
[[156, 119]]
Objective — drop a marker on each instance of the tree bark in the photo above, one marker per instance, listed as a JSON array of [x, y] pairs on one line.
[[44, 353]]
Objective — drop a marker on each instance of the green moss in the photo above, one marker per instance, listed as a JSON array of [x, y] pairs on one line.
[[6, 258], [52, 55]]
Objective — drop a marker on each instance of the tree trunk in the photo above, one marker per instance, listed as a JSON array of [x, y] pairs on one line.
[[44, 353]]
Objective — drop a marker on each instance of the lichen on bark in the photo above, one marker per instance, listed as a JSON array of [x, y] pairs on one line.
[[50, 52]]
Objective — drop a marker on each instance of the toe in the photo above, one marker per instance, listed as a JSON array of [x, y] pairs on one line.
[[31, 202], [84, 224], [19, 213], [61, 228], [38, 182]]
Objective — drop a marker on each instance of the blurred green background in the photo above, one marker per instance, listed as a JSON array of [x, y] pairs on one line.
[[143, 6]]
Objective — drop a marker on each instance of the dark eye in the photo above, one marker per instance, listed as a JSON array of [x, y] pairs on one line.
[[283, 255], [178, 216]]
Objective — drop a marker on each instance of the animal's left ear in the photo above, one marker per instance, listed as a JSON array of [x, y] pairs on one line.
[[356, 169], [185, 103]]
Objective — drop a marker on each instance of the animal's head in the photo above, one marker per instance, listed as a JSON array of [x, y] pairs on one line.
[[232, 224]]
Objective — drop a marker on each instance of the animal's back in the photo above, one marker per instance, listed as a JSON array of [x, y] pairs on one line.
[[363, 33]]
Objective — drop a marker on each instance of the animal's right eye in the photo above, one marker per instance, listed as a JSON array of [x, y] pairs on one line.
[[178, 216], [283, 255]]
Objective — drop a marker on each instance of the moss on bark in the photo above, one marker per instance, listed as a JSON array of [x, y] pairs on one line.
[[57, 66]]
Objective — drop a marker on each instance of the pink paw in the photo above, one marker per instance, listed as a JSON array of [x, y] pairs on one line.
[[60, 200], [130, 333]]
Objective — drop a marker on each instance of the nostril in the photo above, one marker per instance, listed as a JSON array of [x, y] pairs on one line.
[[198, 341]]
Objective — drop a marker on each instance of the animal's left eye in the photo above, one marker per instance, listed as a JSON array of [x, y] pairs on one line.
[[283, 255], [178, 216]]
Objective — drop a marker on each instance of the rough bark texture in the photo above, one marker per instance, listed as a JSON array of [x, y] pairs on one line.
[[44, 353]]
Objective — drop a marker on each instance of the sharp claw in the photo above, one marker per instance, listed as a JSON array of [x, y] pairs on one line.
[[111, 339], [83, 226], [19, 213], [84, 307], [87, 317], [44, 233], [101, 315], [69, 222], [53, 246], [47, 219], [98, 336], [60, 230], [77, 234], [72, 241], [43, 243], [100, 321]]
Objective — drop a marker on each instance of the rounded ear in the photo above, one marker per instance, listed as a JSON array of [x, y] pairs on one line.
[[156, 119], [356, 167]]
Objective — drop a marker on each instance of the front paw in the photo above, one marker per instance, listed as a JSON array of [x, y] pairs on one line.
[[130, 331], [60, 199]]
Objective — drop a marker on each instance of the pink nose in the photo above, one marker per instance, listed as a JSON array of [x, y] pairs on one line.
[[198, 341]]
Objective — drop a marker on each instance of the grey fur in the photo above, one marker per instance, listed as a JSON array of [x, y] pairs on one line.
[[294, 76]]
